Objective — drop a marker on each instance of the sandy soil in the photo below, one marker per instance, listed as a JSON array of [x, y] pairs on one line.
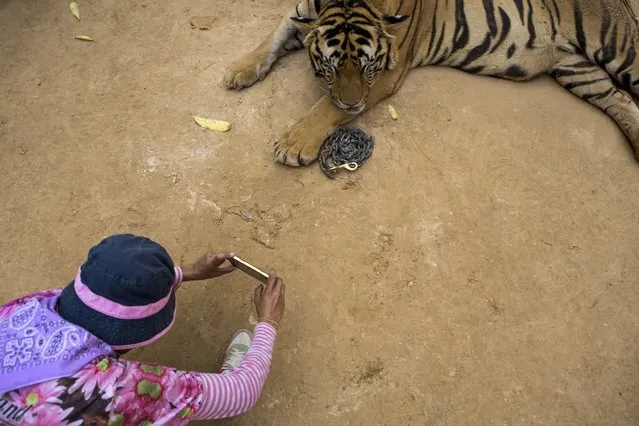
[[480, 269]]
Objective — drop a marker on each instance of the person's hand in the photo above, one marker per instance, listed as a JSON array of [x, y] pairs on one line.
[[269, 300], [208, 266]]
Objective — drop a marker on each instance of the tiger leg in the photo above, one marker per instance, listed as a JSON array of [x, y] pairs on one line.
[[591, 83], [301, 142], [617, 51], [283, 39]]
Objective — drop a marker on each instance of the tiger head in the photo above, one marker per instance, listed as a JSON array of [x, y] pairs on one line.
[[350, 47]]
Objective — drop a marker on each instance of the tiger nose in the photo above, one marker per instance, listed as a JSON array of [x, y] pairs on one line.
[[351, 98], [351, 105], [350, 95]]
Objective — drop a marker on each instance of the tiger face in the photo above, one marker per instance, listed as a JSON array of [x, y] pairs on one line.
[[350, 47]]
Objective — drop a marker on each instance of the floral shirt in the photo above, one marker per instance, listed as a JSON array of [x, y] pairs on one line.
[[112, 391]]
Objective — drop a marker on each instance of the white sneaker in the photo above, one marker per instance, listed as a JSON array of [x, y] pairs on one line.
[[237, 349]]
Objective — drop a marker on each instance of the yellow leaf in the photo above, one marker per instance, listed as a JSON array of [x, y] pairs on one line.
[[216, 125], [75, 9], [392, 111], [84, 37]]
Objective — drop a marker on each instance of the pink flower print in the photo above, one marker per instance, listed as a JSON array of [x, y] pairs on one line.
[[102, 375], [130, 410], [186, 413], [145, 392], [181, 386], [8, 308], [50, 415], [186, 396], [149, 418], [36, 395]]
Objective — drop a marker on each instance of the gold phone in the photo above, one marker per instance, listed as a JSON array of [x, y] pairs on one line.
[[249, 269]]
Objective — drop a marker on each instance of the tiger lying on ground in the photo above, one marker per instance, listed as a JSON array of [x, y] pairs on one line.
[[363, 49]]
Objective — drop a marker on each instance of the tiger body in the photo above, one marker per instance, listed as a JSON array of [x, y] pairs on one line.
[[489, 43], [520, 39], [363, 49]]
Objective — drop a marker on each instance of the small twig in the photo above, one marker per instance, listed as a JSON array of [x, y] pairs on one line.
[[246, 217]]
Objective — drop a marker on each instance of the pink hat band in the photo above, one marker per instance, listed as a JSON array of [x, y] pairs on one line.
[[115, 310]]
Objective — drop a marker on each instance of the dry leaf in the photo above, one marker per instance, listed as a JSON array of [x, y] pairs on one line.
[[75, 9], [84, 37], [202, 23], [392, 111], [216, 125]]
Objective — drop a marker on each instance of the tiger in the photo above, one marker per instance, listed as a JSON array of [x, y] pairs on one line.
[[362, 51]]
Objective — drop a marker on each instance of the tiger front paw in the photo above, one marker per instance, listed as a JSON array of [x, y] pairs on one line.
[[246, 71], [299, 145]]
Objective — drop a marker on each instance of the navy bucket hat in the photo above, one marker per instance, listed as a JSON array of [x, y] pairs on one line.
[[124, 293]]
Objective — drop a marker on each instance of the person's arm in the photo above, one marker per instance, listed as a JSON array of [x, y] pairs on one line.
[[236, 392], [206, 267]]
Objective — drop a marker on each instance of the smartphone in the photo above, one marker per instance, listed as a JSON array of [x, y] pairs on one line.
[[249, 269]]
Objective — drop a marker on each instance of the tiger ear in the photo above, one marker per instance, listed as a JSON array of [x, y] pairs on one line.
[[303, 24], [395, 19]]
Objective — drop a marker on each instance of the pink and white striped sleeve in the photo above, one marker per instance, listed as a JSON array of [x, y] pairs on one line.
[[236, 392]]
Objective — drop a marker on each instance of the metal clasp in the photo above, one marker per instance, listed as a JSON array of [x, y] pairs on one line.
[[351, 167]]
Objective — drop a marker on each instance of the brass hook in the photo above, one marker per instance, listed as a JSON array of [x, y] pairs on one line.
[[351, 167]]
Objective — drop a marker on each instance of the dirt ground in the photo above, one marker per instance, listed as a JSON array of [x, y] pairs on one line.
[[481, 268]]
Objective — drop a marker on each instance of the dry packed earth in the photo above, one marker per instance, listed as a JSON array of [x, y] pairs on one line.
[[482, 267]]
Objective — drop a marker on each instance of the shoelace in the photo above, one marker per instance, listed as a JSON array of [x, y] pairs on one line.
[[233, 359]]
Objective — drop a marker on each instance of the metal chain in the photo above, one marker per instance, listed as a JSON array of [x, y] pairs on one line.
[[345, 145]]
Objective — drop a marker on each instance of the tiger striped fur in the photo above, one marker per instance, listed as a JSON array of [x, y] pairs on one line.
[[363, 49]]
